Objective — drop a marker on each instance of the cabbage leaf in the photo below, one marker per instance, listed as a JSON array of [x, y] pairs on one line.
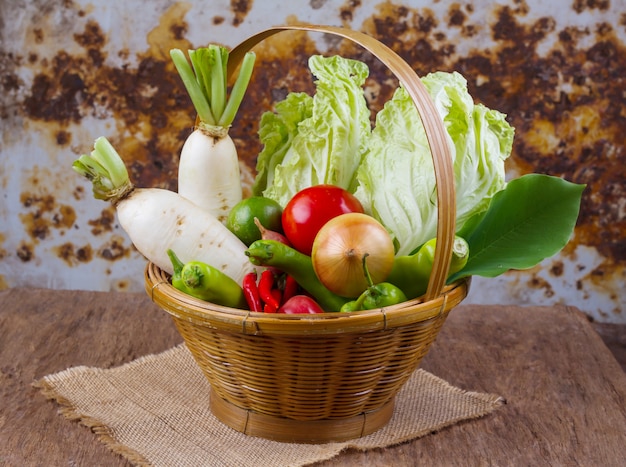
[[277, 131], [396, 180], [321, 140]]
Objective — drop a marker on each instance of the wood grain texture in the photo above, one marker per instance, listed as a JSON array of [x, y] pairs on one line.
[[565, 392]]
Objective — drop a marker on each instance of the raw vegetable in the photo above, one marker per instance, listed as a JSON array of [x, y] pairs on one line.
[[412, 272], [376, 296], [322, 141], [396, 178], [270, 292], [309, 209], [339, 249], [251, 292], [530, 220], [301, 304], [271, 235], [266, 288], [276, 132], [208, 172], [290, 288], [203, 281], [267, 234], [272, 306], [157, 220], [298, 265], [241, 218]]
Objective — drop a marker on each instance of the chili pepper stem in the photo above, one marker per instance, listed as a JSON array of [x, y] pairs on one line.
[[177, 264], [192, 276], [366, 271]]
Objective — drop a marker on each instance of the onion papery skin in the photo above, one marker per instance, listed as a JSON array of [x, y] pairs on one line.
[[338, 252]]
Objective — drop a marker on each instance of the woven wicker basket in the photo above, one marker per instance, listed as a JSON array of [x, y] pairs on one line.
[[327, 377]]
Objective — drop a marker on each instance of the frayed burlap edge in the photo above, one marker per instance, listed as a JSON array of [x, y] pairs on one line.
[[104, 434]]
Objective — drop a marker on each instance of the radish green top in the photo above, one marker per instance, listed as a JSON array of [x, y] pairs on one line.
[[207, 83], [106, 170]]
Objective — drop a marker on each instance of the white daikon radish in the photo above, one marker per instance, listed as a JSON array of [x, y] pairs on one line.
[[157, 220], [208, 172]]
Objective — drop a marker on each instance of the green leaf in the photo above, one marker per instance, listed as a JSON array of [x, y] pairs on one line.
[[531, 219]]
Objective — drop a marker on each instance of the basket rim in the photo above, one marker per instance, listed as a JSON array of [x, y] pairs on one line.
[[203, 313]]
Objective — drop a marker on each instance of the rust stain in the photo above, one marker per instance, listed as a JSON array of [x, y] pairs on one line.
[[240, 9], [347, 10], [25, 251], [41, 213], [3, 251], [63, 138], [121, 285], [536, 282], [168, 34], [580, 6], [114, 249], [78, 193], [73, 255], [104, 223], [557, 269]]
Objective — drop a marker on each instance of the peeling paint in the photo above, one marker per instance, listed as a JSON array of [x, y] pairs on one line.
[[73, 70]]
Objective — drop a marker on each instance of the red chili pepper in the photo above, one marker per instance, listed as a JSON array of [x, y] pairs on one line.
[[278, 295], [251, 292], [291, 288], [269, 307], [266, 285]]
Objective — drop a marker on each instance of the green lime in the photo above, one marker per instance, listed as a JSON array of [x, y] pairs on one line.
[[241, 218]]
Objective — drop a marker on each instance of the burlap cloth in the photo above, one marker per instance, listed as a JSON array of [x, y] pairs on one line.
[[155, 411]]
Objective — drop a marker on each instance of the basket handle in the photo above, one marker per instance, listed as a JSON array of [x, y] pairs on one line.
[[433, 125]]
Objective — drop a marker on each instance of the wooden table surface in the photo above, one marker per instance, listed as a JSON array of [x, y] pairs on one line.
[[565, 392]]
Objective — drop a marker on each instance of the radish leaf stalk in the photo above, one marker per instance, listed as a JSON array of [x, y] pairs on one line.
[[106, 170]]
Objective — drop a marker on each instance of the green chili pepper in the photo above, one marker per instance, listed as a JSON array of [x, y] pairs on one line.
[[271, 253], [377, 295], [203, 281], [208, 283], [349, 306], [411, 273], [381, 295]]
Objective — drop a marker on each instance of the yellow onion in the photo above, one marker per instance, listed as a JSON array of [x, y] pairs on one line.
[[338, 251]]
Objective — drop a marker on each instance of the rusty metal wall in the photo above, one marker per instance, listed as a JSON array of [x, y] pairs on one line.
[[72, 70]]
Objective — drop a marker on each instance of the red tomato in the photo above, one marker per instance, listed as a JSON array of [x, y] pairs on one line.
[[310, 209], [300, 304]]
